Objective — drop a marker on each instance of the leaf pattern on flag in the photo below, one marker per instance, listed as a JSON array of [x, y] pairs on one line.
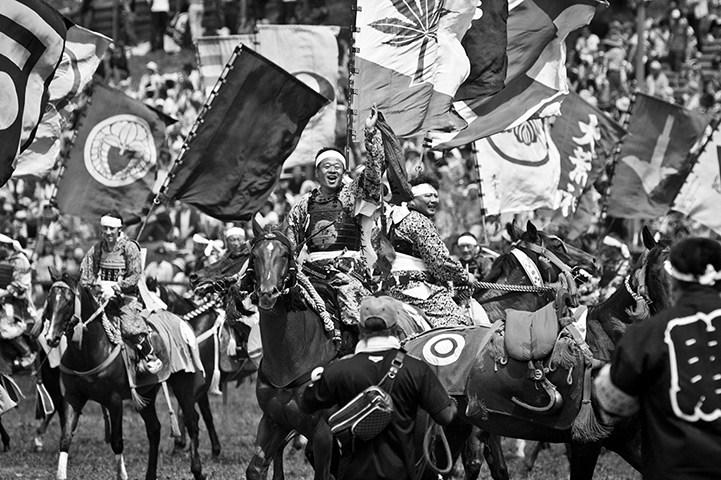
[[420, 24]]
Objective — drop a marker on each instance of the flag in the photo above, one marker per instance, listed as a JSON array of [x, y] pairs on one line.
[[536, 78], [395, 158], [112, 162], [410, 62], [310, 52], [83, 51], [585, 137], [486, 44], [650, 169], [32, 35], [519, 169], [700, 195], [236, 148]]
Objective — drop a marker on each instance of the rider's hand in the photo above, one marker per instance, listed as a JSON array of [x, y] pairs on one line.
[[372, 118]]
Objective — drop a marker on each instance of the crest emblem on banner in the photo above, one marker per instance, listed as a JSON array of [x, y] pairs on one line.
[[444, 349], [120, 150], [526, 144]]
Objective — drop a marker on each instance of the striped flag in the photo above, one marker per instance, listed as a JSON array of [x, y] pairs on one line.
[[700, 195], [652, 161], [519, 169], [536, 78], [113, 161], [32, 36], [310, 52], [83, 51], [411, 62]]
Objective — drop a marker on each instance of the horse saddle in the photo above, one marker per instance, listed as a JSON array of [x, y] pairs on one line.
[[233, 348], [131, 357]]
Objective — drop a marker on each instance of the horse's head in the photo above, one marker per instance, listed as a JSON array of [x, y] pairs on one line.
[[61, 307], [272, 264], [555, 255], [648, 281]]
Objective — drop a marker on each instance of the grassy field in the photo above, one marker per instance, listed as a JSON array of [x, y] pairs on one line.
[[236, 421]]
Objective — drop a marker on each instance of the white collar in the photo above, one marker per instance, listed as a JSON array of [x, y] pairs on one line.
[[377, 344]]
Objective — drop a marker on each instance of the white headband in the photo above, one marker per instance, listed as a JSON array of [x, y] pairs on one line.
[[423, 189], [467, 240], [709, 277], [330, 155], [7, 240], [108, 221], [234, 231]]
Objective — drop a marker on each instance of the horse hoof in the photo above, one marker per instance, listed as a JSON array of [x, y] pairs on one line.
[[6, 447], [215, 452]]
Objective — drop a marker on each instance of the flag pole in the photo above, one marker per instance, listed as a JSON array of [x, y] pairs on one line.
[[474, 152], [352, 72], [626, 119], [178, 162]]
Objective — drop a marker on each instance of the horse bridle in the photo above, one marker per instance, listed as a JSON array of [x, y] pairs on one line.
[[291, 279], [77, 310]]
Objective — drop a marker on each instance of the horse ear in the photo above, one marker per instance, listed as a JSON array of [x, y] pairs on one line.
[[648, 239], [257, 229], [54, 274], [513, 232], [532, 231]]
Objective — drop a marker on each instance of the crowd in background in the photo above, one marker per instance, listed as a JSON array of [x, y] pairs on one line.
[[600, 68]]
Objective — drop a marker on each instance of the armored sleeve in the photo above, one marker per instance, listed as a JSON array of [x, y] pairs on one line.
[[88, 268], [297, 221], [133, 268], [432, 250]]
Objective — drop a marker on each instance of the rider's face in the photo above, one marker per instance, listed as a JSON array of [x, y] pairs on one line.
[[467, 251], [111, 234], [330, 174], [426, 203]]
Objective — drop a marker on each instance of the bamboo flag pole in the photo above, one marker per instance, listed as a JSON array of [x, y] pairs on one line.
[[193, 132], [351, 113], [474, 152], [625, 120]]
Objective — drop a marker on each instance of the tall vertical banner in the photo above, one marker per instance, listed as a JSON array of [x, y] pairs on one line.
[[310, 52], [519, 169], [536, 78], [113, 160], [235, 152], [411, 62], [584, 136], [700, 195], [32, 37], [651, 164]]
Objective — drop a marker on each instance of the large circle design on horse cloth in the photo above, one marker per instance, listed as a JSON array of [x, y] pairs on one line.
[[120, 150], [443, 349]]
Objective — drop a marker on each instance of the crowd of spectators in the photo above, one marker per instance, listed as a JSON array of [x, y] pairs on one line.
[[601, 68]]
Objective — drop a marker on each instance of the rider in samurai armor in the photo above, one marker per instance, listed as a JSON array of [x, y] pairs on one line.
[[17, 306], [113, 267], [326, 222]]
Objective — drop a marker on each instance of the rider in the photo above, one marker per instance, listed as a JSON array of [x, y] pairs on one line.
[[423, 266], [327, 223], [114, 267], [473, 257], [15, 291]]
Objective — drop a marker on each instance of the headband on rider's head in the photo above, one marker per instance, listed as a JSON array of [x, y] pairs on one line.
[[423, 189], [235, 232], [330, 155], [110, 221], [467, 240], [708, 278]]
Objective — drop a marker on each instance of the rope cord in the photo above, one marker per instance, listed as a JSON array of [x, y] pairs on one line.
[[310, 294], [515, 288], [199, 310]]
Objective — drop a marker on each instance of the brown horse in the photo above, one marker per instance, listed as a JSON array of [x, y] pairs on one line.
[[93, 369], [295, 341], [645, 291]]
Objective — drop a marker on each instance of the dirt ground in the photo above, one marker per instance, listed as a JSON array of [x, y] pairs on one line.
[[236, 422]]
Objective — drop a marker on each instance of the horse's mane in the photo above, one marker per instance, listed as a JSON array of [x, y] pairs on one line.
[[659, 287], [502, 264]]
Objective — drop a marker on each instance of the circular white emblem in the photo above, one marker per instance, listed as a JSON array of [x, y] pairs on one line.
[[8, 100], [120, 150], [443, 349]]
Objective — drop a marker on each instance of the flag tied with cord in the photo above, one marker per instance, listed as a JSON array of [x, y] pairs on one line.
[[83, 51], [32, 36], [700, 196], [652, 163], [585, 137], [536, 78], [236, 149], [310, 52], [519, 169], [112, 163], [410, 62]]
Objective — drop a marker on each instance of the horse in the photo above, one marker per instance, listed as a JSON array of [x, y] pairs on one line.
[[203, 321], [72, 309], [645, 291]]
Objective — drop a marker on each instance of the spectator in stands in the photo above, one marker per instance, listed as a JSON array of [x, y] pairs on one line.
[[267, 215], [678, 40], [196, 9], [159, 20], [615, 63], [656, 81]]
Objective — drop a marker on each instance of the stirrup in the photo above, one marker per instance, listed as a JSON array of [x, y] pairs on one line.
[[150, 364]]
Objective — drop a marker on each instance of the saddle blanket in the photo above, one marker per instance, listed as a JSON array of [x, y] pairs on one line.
[[450, 352], [9, 393], [181, 354]]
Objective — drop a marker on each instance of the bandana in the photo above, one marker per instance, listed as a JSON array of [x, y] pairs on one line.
[[9, 241], [708, 278], [108, 221], [467, 240], [234, 231], [423, 189], [330, 155]]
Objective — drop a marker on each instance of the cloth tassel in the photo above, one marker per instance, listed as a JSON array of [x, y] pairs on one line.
[[232, 345], [174, 427], [78, 334], [138, 402], [586, 427], [640, 312], [564, 354], [45, 405], [215, 383], [497, 347]]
